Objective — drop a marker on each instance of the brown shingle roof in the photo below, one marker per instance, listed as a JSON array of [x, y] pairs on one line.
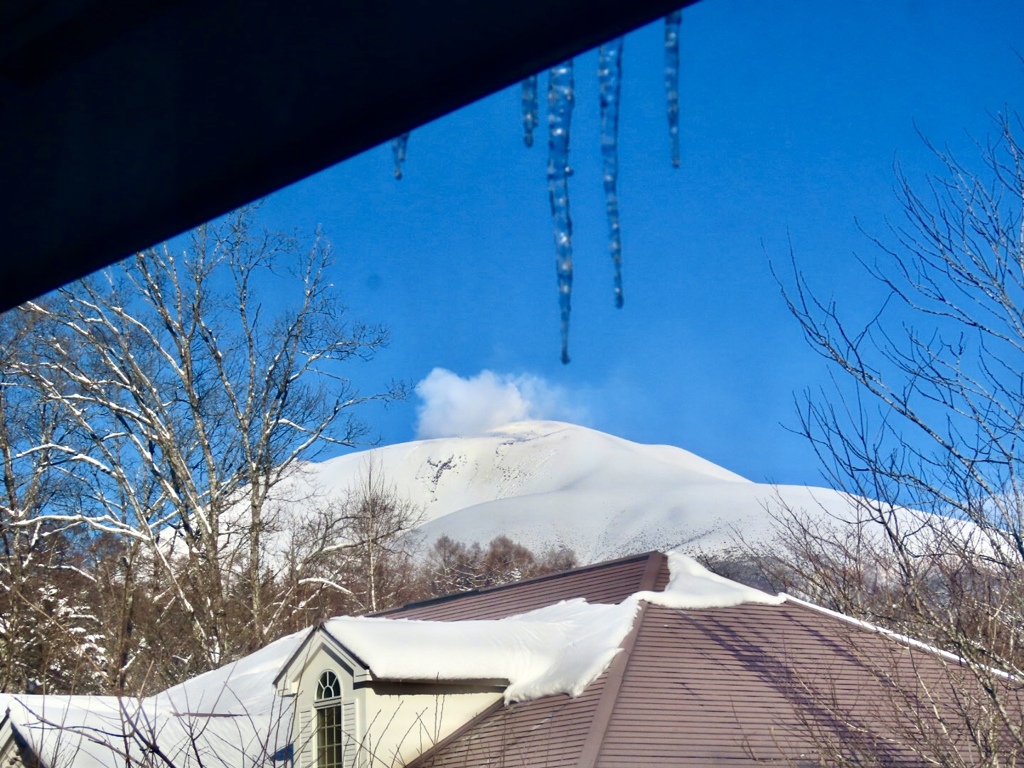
[[610, 582], [551, 732], [556, 730], [740, 686]]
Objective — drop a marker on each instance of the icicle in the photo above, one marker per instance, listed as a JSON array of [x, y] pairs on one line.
[[398, 147], [560, 104], [530, 109], [609, 71], [672, 80]]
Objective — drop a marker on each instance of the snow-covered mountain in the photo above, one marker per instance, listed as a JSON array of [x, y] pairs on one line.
[[549, 484]]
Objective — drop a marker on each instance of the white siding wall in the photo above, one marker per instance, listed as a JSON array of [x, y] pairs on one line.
[[304, 749], [402, 726], [382, 728], [350, 733]]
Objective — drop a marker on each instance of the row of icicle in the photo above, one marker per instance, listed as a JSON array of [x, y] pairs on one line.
[[561, 99]]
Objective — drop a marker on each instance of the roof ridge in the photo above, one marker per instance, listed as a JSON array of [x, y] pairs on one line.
[[609, 695], [898, 637], [617, 671], [514, 584]]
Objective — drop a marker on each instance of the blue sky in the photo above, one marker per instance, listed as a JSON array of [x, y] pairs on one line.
[[793, 115]]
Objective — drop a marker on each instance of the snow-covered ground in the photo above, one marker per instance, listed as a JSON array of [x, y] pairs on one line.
[[548, 484]]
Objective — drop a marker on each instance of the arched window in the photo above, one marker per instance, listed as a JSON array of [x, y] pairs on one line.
[[328, 687], [330, 751]]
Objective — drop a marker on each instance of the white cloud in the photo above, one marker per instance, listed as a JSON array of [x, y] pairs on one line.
[[453, 406]]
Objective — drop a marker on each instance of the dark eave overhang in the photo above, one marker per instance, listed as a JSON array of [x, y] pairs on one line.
[[125, 122]]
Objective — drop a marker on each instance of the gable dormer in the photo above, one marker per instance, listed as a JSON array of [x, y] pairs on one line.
[[345, 716], [321, 678], [14, 751]]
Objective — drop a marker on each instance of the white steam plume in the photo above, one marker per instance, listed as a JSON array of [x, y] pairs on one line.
[[453, 406]]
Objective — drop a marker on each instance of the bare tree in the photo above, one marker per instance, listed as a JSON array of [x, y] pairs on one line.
[[453, 566], [378, 523], [927, 414], [187, 392], [351, 553], [48, 634]]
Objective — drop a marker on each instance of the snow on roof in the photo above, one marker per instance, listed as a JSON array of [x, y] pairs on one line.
[[561, 648], [236, 688], [557, 649], [693, 586], [227, 716], [222, 717]]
